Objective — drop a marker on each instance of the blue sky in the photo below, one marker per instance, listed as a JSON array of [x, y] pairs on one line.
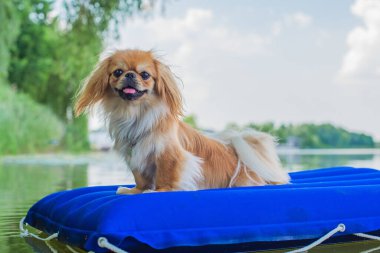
[[287, 61]]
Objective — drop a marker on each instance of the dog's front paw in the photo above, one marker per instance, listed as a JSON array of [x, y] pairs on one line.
[[149, 191], [126, 190]]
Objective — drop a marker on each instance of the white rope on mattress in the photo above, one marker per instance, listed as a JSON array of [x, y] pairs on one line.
[[25, 233], [71, 249], [371, 250], [234, 176], [340, 228], [52, 249], [372, 237], [247, 174], [104, 243]]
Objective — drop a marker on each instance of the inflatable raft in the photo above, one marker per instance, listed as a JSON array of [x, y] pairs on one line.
[[341, 203]]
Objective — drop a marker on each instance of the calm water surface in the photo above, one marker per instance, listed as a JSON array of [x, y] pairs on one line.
[[26, 179]]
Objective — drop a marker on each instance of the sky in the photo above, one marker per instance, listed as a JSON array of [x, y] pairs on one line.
[[286, 61]]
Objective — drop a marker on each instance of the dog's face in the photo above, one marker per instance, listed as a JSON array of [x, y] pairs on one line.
[[133, 75], [132, 78]]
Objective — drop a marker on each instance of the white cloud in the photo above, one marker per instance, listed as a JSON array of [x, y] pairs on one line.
[[300, 19], [277, 28], [297, 19], [197, 29], [362, 62], [193, 42]]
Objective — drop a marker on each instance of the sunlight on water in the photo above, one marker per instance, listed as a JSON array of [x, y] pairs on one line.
[[26, 179]]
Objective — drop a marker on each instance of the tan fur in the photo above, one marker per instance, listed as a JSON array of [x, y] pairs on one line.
[[161, 150]]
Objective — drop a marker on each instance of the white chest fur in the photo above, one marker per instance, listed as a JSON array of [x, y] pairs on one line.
[[133, 134]]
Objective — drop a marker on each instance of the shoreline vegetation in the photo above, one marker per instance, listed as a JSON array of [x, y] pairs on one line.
[[306, 135], [25, 126], [313, 136]]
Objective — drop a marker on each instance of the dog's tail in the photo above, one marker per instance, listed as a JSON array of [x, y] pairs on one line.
[[257, 150]]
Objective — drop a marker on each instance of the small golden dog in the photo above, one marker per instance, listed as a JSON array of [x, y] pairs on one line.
[[143, 105]]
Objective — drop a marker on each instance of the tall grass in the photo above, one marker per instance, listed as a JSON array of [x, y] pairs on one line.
[[26, 126]]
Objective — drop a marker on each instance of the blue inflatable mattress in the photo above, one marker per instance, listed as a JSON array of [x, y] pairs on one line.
[[217, 220]]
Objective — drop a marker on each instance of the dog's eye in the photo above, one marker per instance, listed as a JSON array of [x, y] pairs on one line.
[[145, 75], [118, 73]]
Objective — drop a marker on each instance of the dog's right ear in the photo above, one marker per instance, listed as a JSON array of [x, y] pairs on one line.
[[93, 88], [167, 88]]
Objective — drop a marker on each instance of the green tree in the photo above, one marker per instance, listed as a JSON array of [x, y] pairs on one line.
[[316, 135], [191, 120], [268, 127], [8, 33], [24, 125], [54, 54]]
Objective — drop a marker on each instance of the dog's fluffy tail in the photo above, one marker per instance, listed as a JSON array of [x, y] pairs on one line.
[[257, 150]]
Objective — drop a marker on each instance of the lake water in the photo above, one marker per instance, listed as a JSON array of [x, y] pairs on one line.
[[26, 179]]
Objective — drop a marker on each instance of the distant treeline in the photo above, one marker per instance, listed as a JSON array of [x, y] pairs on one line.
[[313, 135], [306, 135]]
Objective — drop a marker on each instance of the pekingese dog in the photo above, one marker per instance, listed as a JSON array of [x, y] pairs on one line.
[[143, 107]]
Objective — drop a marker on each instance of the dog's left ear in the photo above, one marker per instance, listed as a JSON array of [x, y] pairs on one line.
[[93, 88], [166, 87]]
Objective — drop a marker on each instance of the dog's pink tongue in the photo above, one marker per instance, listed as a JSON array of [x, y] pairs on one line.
[[129, 91]]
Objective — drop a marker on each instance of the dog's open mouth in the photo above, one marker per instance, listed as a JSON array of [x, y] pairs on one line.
[[131, 93]]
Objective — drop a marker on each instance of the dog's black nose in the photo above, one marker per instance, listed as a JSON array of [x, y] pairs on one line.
[[130, 75]]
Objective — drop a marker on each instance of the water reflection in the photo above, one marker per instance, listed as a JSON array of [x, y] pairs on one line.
[[296, 160], [304, 162], [26, 179]]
